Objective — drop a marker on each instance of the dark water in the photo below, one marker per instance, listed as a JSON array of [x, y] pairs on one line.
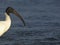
[[42, 19]]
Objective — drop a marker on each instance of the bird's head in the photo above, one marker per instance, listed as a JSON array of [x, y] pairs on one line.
[[11, 10]]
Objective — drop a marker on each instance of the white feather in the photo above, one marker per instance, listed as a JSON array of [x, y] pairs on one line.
[[5, 25]]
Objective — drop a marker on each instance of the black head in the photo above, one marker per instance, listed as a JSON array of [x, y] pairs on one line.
[[11, 10]]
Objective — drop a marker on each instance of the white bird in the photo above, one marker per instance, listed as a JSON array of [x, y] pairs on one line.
[[5, 25]]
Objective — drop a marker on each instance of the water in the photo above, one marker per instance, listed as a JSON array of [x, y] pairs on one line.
[[42, 19]]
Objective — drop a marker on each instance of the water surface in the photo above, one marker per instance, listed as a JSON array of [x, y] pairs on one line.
[[42, 19]]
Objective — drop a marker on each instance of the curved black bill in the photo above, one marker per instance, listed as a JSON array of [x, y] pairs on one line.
[[17, 14]]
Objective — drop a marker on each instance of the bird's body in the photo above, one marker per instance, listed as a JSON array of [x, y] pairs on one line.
[[5, 25]]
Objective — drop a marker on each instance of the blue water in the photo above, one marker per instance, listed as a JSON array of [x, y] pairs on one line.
[[42, 19]]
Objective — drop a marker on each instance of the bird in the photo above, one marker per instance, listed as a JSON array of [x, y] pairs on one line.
[[6, 24]]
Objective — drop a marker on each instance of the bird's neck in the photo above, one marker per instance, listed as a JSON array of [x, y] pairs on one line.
[[7, 17]]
